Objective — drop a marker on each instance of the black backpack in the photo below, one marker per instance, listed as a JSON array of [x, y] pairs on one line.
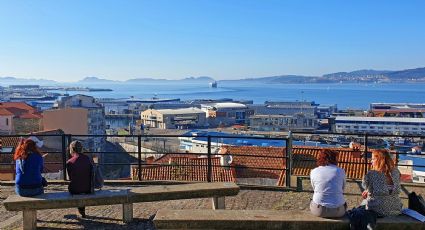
[[417, 203]]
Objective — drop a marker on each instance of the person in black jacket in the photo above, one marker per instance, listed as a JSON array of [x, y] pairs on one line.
[[80, 172]]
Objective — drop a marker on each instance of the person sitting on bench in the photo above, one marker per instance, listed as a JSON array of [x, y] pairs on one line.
[[29, 166], [80, 172], [382, 185], [328, 181]]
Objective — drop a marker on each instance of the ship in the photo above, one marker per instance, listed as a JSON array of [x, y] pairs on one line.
[[213, 84]]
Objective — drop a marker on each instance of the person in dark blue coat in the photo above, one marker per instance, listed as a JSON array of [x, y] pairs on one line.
[[29, 166]]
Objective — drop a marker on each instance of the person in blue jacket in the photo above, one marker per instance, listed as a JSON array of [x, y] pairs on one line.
[[29, 166]]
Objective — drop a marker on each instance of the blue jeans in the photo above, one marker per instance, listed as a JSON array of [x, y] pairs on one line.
[[29, 191]]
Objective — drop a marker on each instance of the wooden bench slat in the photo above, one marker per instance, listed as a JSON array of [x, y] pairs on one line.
[[187, 191], [65, 200], [265, 219]]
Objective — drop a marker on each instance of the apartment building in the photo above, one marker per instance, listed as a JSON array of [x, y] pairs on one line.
[[78, 115]]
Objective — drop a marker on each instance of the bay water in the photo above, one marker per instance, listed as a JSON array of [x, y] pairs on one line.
[[345, 95]]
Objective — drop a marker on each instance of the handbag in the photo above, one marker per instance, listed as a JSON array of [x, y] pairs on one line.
[[97, 177], [417, 203]]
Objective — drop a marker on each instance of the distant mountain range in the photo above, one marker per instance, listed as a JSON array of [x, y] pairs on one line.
[[378, 76], [25, 81]]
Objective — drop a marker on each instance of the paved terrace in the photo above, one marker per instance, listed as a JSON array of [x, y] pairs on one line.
[[109, 217]]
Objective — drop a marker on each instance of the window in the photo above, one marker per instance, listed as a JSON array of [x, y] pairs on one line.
[[7, 121]]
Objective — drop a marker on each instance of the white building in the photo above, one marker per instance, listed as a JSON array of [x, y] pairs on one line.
[[174, 118], [6, 125], [380, 125]]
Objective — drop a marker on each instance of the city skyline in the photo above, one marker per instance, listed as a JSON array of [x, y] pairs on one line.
[[69, 41]]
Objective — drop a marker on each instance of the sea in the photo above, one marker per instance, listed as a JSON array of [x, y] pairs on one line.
[[345, 95]]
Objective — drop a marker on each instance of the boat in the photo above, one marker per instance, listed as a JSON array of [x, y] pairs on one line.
[[213, 84]]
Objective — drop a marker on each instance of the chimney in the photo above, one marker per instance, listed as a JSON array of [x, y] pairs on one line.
[[150, 159]]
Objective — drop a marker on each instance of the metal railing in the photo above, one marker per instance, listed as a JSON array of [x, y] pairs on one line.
[[140, 162]]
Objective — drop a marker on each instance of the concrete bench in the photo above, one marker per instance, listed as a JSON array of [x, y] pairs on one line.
[[266, 219], [59, 200], [217, 191], [29, 205]]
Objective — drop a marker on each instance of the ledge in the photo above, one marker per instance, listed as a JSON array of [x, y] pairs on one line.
[[266, 219]]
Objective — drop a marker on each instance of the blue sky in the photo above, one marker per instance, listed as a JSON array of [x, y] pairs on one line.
[[70, 40]]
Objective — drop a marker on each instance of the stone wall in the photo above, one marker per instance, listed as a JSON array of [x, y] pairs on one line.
[[24, 126]]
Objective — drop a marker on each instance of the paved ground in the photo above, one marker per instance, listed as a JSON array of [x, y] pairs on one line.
[[109, 217]]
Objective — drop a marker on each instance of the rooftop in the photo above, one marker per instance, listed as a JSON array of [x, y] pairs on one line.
[[180, 111], [389, 119], [227, 105]]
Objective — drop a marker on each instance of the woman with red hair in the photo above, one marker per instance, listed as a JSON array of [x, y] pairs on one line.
[[328, 181], [29, 166], [382, 185]]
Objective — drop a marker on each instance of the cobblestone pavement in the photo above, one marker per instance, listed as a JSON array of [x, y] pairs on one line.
[[109, 217]]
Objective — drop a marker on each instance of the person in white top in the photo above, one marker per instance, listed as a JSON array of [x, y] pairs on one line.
[[328, 181]]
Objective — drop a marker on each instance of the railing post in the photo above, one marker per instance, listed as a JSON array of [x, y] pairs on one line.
[[209, 172], [288, 159], [365, 142], [397, 158], [139, 157], [64, 156]]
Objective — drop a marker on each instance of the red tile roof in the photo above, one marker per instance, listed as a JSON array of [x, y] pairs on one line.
[[254, 161], [18, 105], [164, 159], [19, 109], [5, 112], [303, 161], [49, 132], [186, 169], [30, 116], [10, 141]]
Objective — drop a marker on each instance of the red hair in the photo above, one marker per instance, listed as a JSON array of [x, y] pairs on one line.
[[383, 163], [326, 157], [24, 149]]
